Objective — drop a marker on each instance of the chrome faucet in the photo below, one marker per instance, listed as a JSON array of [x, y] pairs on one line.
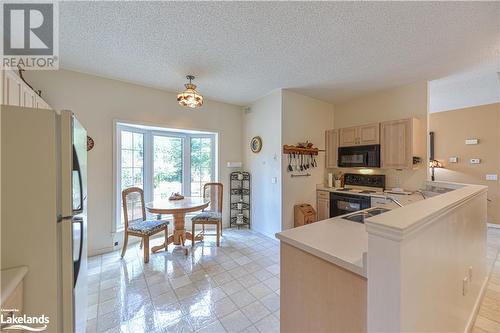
[[394, 200], [421, 193]]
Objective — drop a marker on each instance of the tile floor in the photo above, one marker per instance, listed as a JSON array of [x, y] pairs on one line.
[[233, 288]]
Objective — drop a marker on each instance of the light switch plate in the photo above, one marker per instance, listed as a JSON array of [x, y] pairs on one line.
[[492, 177], [475, 161], [274, 180], [453, 159], [471, 141]]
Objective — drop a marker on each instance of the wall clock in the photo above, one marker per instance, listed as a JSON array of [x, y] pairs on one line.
[[256, 144], [90, 143]]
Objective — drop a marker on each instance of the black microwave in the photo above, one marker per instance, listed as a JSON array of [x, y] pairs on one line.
[[359, 157]]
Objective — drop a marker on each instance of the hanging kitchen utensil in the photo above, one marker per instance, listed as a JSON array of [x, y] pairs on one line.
[[301, 162], [290, 169]]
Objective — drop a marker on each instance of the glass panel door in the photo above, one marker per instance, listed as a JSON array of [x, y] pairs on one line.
[[132, 162], [201, 164], [168, 166]]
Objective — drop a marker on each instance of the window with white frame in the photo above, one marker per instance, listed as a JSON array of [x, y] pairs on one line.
[[162, 161]]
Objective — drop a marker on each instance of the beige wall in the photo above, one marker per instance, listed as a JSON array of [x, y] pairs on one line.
[[98, 101], [391, 104], [451, 128], [264, 119], [304, 119]]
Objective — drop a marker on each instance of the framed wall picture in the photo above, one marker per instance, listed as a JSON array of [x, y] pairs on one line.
[[256, 144]]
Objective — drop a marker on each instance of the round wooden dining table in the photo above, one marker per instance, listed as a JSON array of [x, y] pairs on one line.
[[178, 208]]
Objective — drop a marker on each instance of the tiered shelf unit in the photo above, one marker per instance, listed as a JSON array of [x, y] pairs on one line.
[[240, 199]]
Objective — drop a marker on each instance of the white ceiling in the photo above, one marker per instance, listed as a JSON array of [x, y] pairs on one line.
[[240, 51]]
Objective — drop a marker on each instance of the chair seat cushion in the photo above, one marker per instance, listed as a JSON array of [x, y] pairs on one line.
[[148, 227], [207, 217]]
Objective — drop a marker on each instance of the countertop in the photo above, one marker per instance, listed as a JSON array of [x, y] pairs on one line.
[[10, 279], [339, 241]]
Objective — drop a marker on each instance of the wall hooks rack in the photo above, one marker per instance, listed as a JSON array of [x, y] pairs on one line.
[[299, 150]]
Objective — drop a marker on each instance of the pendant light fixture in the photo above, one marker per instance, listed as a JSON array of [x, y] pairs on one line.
[[190, 97]]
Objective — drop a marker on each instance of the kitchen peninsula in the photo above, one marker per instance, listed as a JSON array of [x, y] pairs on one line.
[[419, 267]]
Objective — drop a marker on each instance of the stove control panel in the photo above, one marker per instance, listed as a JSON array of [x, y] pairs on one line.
[[364, 180]]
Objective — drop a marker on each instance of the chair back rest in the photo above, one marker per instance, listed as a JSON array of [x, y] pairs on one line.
[[133, 205], [213, 192]]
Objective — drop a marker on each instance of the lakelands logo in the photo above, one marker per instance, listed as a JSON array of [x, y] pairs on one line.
[[30, 35], [10, 321]]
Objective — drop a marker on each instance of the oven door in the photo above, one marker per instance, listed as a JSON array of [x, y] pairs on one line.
[[341, 204]]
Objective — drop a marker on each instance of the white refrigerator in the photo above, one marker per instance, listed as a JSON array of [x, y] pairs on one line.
[[44, 212]]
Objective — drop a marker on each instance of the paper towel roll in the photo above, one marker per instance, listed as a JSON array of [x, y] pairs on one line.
[[330, 180]]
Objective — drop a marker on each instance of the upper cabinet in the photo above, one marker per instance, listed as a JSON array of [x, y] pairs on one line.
[[359, 135], [401, 144], [16, 92], [331, 148]]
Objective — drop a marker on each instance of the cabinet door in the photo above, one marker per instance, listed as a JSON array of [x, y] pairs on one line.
[[323, 209], [12, 89], [331, 148], [369, 134], [396, 144], [348, 136]]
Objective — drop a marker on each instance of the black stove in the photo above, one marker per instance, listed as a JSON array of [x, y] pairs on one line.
[[343, 203]]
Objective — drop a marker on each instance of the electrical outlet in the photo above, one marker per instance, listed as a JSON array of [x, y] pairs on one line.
[[492, 177], [475, 161], [471, 141], [453, 159], [465, 286]]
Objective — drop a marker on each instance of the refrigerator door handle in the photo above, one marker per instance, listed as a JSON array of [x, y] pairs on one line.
[[76, 167], [76, 264]]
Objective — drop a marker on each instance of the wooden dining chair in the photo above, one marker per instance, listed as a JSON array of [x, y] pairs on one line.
[[136, 223], [212, 215]]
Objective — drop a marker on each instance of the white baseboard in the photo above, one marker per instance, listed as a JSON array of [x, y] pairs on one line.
[[97, 252]]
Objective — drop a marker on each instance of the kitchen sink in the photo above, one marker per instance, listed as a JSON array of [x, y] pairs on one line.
[[361, 216]]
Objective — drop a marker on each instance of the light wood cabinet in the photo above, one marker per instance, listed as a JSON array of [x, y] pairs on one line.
[[402, 144], [331, 148], [16, 92], [348, 136], [369, 134], [318, 296], [322, 205], [359, 135]]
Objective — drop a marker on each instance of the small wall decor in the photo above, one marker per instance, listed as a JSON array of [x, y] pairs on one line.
[[256, 144], [90, 143]]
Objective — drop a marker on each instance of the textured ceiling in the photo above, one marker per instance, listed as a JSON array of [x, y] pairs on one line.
[[240, 51]]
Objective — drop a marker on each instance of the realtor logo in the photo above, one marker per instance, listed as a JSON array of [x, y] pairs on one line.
[[30, 38]]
